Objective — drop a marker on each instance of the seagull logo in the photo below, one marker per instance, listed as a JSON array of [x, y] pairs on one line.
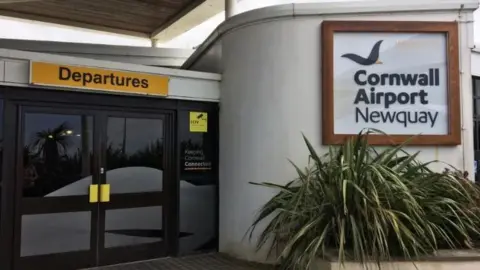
[[370, 60]]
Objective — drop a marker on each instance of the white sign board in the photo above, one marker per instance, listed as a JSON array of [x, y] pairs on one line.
[[394, 82]]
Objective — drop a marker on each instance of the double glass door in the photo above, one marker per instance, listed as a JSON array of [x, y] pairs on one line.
[[90, 187]]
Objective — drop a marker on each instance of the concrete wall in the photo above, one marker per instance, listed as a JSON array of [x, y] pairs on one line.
[[270, 94], [476, 62]]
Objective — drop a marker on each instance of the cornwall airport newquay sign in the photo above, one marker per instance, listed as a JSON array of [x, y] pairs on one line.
[[398, 77]]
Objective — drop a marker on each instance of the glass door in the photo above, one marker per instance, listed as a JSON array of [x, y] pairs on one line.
[[133, 215], [57, 215], [92, 188]]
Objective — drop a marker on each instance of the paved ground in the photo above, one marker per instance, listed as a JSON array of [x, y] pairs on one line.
[[212, 261]]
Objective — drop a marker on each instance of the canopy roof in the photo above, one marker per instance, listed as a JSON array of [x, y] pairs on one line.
[[142, 18]]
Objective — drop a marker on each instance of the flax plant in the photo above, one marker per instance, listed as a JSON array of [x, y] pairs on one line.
[[364, 204]]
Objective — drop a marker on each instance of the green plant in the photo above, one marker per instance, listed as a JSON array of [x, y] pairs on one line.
[[360, 203]]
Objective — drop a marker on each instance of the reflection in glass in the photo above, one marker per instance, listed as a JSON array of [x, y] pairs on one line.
[[57, 154], [197, 218], [133, 226], [134, 155], [1, 148], [197, 187], [55, 233]]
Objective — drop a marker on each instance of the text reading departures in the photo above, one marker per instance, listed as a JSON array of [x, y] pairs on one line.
[[87, 78]]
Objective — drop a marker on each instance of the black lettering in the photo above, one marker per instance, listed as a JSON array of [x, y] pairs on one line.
[[144, 83], [423, 97], [361, 97], [87, 78], [128, 81], [412, 97], [401, 117], [388, 116], [412, 119], [433, 119], [432, 78], [97, 79], [76, 76], [373, 79], [423, 118], [374, 117], [390, 98], [394, 79], [112, 77], [356, 77], [358, 112], [105, 79], [379, 97], [403, 98], [372, 96], [119, 81], [423, 80], [409, 79], [64, 73], [135, 82], [384, 78]]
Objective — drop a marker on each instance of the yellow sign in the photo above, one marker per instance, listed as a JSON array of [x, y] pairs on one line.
[[198, 122], [99, 79]]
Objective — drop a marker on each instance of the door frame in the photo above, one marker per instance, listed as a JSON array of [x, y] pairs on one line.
[[20, 95], [164, 198], [94, 255], [79, 203]]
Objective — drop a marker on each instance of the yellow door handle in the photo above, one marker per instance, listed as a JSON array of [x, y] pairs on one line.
[[93, 194], [105, 193]]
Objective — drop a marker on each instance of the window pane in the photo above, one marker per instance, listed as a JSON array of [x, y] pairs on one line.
[[57, 154], [476, 85], [1, 148], [198, 186], [55, 233], [133, 226], [134, 155]]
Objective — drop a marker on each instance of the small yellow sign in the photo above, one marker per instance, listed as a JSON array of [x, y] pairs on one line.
[[98, 79], [198, 122]]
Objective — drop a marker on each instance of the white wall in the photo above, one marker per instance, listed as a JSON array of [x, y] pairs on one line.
[[271, 94], [476, 63]]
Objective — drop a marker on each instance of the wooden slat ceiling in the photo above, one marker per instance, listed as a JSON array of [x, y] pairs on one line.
[[132, 17]]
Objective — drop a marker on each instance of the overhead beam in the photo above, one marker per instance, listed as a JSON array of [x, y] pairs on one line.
[[184, 22], [46, 19]]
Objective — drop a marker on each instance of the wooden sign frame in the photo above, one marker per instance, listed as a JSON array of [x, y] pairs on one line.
[[450, 29]]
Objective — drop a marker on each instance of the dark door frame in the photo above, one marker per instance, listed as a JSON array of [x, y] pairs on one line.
[[162, 198], [43, 205], [14, 96]]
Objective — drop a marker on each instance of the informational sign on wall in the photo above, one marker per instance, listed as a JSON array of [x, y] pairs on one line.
[[196, 160], [98, 79], [198, 152], [394, 78], [198, 122]]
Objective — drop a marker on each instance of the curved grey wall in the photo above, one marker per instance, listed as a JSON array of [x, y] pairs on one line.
[[270, 94]]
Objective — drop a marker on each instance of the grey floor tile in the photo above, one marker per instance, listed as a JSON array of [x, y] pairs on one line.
[[212, 261]]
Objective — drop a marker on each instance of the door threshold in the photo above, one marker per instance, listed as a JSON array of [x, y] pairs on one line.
[[125, 263]]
